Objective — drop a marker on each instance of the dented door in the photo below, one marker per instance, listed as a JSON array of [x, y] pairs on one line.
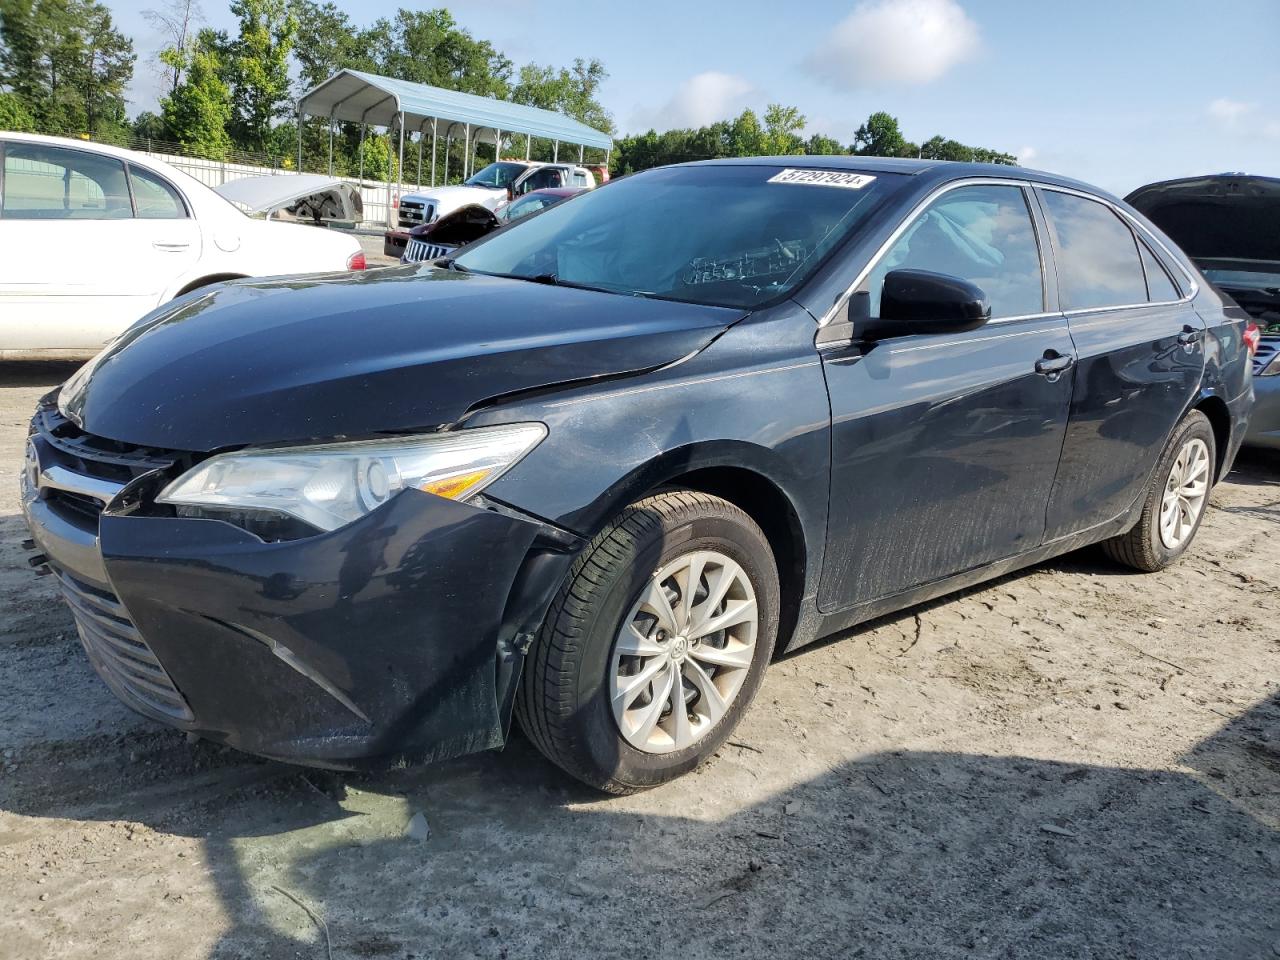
[[944, 450]]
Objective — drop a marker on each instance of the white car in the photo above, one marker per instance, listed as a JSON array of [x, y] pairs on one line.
[[92, 237], [491, 188]]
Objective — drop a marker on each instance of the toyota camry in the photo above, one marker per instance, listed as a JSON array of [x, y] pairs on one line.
[[597, 469]]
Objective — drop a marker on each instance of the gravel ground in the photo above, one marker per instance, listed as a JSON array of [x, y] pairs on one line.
[[1069, 762], [371, 244]]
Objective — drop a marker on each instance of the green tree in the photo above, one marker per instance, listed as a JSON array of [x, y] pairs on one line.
[[573, 91], [177, 21], [14, 114], [65, 62], [328, 41], [428, 46], [380, 158], [941, 148], [820, 145], [746, 137], [107, 68], [782, 126], [149, 126], [257, 69], [198, 112], [880, 136]]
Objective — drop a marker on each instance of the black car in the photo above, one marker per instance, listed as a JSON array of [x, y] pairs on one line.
[[604, 464]]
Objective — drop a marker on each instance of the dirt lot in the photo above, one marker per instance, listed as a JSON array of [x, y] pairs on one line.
[[1069, 762]]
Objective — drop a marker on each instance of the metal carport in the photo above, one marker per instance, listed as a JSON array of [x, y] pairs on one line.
[[351, 96]]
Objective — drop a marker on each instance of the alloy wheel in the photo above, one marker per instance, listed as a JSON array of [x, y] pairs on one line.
[[683, 652], [1184, 494]]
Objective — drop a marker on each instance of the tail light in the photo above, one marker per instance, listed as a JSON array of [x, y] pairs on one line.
[[356, 262], [1252, 337]]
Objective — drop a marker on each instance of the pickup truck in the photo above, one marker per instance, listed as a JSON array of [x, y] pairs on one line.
[[492, 187]]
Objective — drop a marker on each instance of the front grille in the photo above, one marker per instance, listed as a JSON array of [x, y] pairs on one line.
[[67, 446], [118, 651], [419, 250], [1268, 347], [415, 212]]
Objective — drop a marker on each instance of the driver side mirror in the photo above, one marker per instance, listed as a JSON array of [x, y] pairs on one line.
[[923, 302]]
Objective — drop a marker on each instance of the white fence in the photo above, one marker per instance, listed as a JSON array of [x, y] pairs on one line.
[[378, 197]]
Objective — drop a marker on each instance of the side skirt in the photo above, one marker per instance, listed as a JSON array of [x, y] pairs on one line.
[[824, 626]]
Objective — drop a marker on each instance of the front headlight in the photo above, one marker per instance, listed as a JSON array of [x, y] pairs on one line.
[[1272, 369], [330, 485]]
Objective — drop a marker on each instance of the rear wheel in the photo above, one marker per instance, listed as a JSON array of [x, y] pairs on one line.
[[655, 645], [1175, 502]]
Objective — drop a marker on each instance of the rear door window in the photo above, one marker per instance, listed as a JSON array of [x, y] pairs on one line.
[[1096, 253], [982, 234], [52, 183]]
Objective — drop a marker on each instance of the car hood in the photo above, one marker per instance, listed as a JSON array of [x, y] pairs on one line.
[[350, 355], [448, 198], [265, 195], [1224, 217]]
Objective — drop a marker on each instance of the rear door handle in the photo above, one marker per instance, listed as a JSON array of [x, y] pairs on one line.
[[1053, 365], [1189, 336], [169, 247]]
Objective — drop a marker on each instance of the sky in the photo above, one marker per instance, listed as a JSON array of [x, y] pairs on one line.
[[1114, 92]]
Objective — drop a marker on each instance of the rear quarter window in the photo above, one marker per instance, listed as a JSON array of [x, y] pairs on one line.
[[1160, 286]]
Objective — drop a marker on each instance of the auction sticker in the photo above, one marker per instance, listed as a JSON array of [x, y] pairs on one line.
[[823, 178]]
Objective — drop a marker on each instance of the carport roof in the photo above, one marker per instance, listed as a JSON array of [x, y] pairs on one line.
[[356, 97]]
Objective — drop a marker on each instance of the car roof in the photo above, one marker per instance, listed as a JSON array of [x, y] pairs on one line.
[[103, 149], [939, 170]]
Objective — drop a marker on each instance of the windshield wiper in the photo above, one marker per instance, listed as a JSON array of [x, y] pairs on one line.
[[450, 263], [553, 280]]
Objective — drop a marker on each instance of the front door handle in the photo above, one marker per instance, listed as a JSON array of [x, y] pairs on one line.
[[1053, 365], [169, 247]]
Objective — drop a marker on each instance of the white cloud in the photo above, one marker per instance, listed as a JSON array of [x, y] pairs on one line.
[[890, 42], [1026, 155], [1228, 111], [702, 99]]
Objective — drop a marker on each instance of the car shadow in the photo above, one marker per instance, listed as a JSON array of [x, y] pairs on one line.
[[36, 373], [907, 853], [894, 854], [1257, 467]]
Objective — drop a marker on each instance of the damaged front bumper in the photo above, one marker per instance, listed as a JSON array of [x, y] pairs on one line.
[[397, 638]]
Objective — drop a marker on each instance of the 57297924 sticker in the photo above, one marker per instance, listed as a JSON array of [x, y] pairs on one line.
[[822, 178]]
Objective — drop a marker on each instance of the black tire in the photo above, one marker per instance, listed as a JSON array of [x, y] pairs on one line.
[[563, 703], [1142, 547]]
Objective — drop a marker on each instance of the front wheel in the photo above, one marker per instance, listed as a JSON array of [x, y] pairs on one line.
[[1175, 501], [655, 645]]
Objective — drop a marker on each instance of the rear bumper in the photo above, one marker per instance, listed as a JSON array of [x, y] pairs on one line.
[[397, 638], [393, 242], [1264, 421]]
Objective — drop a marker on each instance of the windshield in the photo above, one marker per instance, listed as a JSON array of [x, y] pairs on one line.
[[737, 236], [496, 175]]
